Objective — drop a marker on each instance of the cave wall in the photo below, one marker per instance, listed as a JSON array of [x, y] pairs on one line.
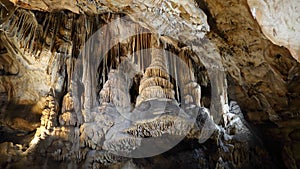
[[262, 77], [261, 81], [279, 22]]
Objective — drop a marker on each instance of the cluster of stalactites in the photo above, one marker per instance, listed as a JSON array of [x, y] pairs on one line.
[[155, 83]]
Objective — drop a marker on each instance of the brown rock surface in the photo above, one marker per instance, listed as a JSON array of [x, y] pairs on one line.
[[280, 22]]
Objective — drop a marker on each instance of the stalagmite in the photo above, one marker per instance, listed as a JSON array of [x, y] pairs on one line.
[[191, 90], [49, 118], [106, 93], [68, 116], [155, 83]]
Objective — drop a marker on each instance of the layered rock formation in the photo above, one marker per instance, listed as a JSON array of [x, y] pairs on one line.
[[79, 89], [156, 81]]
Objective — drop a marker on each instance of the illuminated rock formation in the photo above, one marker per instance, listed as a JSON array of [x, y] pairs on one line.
[[95, 104], [155, 83]]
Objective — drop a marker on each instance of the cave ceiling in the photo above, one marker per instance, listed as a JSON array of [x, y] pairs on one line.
[[219, 59]]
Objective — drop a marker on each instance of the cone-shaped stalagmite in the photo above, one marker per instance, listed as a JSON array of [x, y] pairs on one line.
[[155, 83]]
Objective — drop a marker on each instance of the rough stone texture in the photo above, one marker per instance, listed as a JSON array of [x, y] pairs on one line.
[[280, 22], [156, 81], [40, 58], [47, 5], [260, 82]]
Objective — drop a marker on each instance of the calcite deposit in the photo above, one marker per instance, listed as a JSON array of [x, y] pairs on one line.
[[149, 84]]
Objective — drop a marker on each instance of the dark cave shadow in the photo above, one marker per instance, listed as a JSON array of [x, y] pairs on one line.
[[18, 122]]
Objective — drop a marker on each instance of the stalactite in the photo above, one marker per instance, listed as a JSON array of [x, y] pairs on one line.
[[45, 27], [25, 28], [11, 24], [176, 78], [54, 33], [32, 43], [134, 59], [142, 46]]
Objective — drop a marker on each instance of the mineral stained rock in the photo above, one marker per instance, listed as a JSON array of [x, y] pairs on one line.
[[110, 84]]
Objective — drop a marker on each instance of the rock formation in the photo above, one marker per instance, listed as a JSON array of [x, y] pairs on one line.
[[279, 22], [156, 81], [110, 84]]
